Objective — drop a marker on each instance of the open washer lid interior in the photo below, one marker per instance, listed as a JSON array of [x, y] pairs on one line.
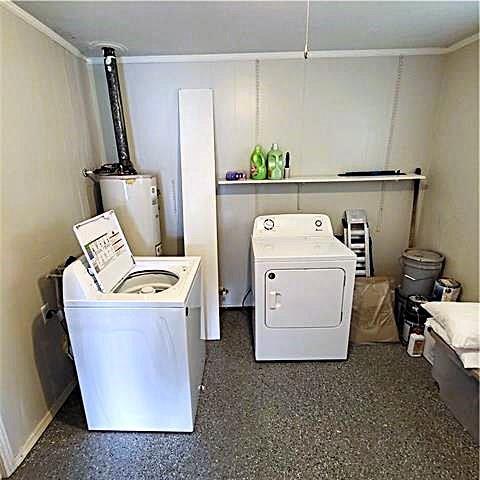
[[106, 249]]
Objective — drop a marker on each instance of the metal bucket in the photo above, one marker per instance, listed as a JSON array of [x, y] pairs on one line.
[[415, 317], [410, 326], [414, 307], [420, 270], [446, 290]]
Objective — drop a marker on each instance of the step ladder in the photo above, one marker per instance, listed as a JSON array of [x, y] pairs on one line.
[[356, 236]]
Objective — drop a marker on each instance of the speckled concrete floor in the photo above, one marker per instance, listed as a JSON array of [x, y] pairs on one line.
[[376, 416]]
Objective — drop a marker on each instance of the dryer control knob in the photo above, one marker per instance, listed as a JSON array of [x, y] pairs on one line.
[[268, 224], [271, 276], [318, 223]]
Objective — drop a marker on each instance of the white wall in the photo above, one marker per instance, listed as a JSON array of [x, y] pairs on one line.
[[449, 221], [341, 124], [48, 136]]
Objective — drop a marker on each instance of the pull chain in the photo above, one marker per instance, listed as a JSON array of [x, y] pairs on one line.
[[391, 131], [307, 21], [257, 102]]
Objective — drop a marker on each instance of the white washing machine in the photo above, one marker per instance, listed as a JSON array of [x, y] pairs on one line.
[[303, 288], [135, 328]]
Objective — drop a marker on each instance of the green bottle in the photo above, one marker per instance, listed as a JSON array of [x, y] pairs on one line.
[[275, 163], [258, 166]]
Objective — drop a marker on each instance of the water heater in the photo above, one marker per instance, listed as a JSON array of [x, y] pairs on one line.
[[135, 201]]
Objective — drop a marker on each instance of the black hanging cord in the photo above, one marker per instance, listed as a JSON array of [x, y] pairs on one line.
[[249, 291]]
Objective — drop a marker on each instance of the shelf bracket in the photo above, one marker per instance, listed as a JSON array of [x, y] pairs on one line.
[[413, 217]]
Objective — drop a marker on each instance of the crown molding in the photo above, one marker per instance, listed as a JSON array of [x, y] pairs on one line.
[[235, 57], [463, 43], [41, 27]]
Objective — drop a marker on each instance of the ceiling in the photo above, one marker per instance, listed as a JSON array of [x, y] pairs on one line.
[[173, 28]]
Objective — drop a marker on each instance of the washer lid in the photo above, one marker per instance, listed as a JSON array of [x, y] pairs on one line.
[[105, 248]]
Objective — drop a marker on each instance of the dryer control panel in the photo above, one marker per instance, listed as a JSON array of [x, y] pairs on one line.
[[292, 225]]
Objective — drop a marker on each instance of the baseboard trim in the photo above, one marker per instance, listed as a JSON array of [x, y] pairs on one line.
[[13, 462], [6, 455]]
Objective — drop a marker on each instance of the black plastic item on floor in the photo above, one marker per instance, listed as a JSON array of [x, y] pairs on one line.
[[410, 317], [414, 317], [400, 307], [415, 309]]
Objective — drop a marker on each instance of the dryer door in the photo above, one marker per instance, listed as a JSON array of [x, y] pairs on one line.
[[309, 298]]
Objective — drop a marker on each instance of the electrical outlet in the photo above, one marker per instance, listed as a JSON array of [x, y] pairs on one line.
[[46, 313]]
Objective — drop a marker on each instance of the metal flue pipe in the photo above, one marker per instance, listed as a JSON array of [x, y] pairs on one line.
[[111, 72]]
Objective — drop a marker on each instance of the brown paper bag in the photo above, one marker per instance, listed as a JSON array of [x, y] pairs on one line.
[[373, 319]]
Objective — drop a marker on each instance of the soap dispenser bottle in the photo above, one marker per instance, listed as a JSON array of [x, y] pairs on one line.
[[258, 165], [275, 163]]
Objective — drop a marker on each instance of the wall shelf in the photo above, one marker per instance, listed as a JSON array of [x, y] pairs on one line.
[[326, 179], [414, 177]]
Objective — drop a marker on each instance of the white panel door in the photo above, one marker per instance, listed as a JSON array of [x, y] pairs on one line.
[[304, 298], [197, 151]]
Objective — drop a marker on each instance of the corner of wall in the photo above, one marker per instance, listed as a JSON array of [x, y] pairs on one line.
[[50, 96], [7, 464], [453, 171]]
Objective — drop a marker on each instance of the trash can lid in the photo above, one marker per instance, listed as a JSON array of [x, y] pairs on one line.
[[423, 256]]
